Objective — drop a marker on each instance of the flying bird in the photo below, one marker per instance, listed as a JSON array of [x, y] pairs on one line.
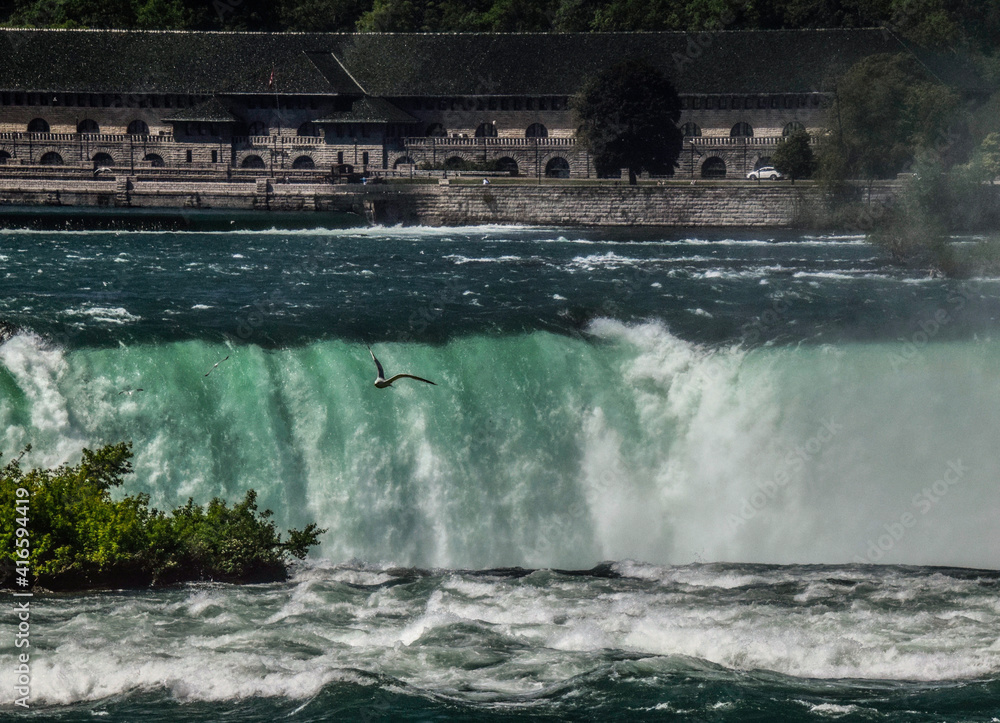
[[381, 382], [216, 364], [130, 392]]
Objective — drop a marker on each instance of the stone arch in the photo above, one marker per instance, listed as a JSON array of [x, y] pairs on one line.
[[507, 165], [403, 161], [791, 127], [308, 129], [713, 167], [38, 125], [761, 162], [536, 130], [4, 157], [486, 130], [303, 163], [454, 163], [103, 159], [51, 159], [252, 161], [137, 128], [557, 167], [155, 159], [690, 130], [436, 130], [741, 130], [88, 125]]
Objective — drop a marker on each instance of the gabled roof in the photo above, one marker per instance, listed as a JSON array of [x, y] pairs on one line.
[[211, 111], [434, 64], [370, 110]]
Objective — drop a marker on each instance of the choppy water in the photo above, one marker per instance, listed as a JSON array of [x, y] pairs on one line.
[[755, 444]]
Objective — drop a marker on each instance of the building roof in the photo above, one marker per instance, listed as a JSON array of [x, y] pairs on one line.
[[369, 110], [434, 64], [211, 111]]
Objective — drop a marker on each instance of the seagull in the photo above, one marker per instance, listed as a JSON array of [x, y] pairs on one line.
[[216, 364], [130, 392], [381, 382]]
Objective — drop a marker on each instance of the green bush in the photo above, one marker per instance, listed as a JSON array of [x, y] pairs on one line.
[[79, 537]]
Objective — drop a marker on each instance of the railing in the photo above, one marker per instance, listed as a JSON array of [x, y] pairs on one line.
[[444, 142], [92, 138], [739, 140], [271, 141]]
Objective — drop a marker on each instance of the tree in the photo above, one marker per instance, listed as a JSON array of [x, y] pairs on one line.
[[794, 156], [321, 16], [886, 108], [628, 116], [988, 156], [80, 537]]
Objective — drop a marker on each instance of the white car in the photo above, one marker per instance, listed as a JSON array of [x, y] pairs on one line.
[[769, 173]]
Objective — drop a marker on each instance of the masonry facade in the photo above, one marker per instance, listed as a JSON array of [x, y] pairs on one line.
[[253, 104]]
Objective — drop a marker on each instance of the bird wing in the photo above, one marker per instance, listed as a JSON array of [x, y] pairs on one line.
[[409, 376], [381, 373]]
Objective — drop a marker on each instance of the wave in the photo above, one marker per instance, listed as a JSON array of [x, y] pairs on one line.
[[524, 636]]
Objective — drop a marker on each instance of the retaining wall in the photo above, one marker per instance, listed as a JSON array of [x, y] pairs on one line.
[[746, 204]]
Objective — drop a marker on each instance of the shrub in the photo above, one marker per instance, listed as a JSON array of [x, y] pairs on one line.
[[81, 538]]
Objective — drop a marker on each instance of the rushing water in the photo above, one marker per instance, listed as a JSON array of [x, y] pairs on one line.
[[707, 476]]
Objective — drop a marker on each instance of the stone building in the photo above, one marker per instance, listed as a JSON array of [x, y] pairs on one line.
[[260, 104]]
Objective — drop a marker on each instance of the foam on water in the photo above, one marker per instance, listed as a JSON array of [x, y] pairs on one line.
[[540, 450], [489, 637]]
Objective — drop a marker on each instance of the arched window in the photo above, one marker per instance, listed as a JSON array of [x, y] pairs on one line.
[[4, 157], [436, 130], [690, 130], [51, 159], [138, 128], [259, 128], [742, 130], [155, 160], [308, 129], [713, 167], [103, 159], [252, 162], [792, 127], [486, 130], [557, 168], [507, 165], [303, 163], [404, 161], [536, 130], [38, 125], [88, 126]]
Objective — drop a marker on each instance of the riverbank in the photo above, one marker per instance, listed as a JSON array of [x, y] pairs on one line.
[[459, 202]]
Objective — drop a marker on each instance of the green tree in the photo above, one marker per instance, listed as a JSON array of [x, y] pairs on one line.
[[322, 16], [80, 537], [628, 115], [885, 109], [392, 16], [794, 155], [988, 157]]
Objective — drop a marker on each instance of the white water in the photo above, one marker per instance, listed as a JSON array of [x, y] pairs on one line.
[[547, 451]]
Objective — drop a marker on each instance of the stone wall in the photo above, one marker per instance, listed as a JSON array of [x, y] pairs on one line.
[[671, 205], [774, 205]]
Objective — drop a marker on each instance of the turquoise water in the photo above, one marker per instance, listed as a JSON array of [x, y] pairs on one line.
[[660, 476]]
